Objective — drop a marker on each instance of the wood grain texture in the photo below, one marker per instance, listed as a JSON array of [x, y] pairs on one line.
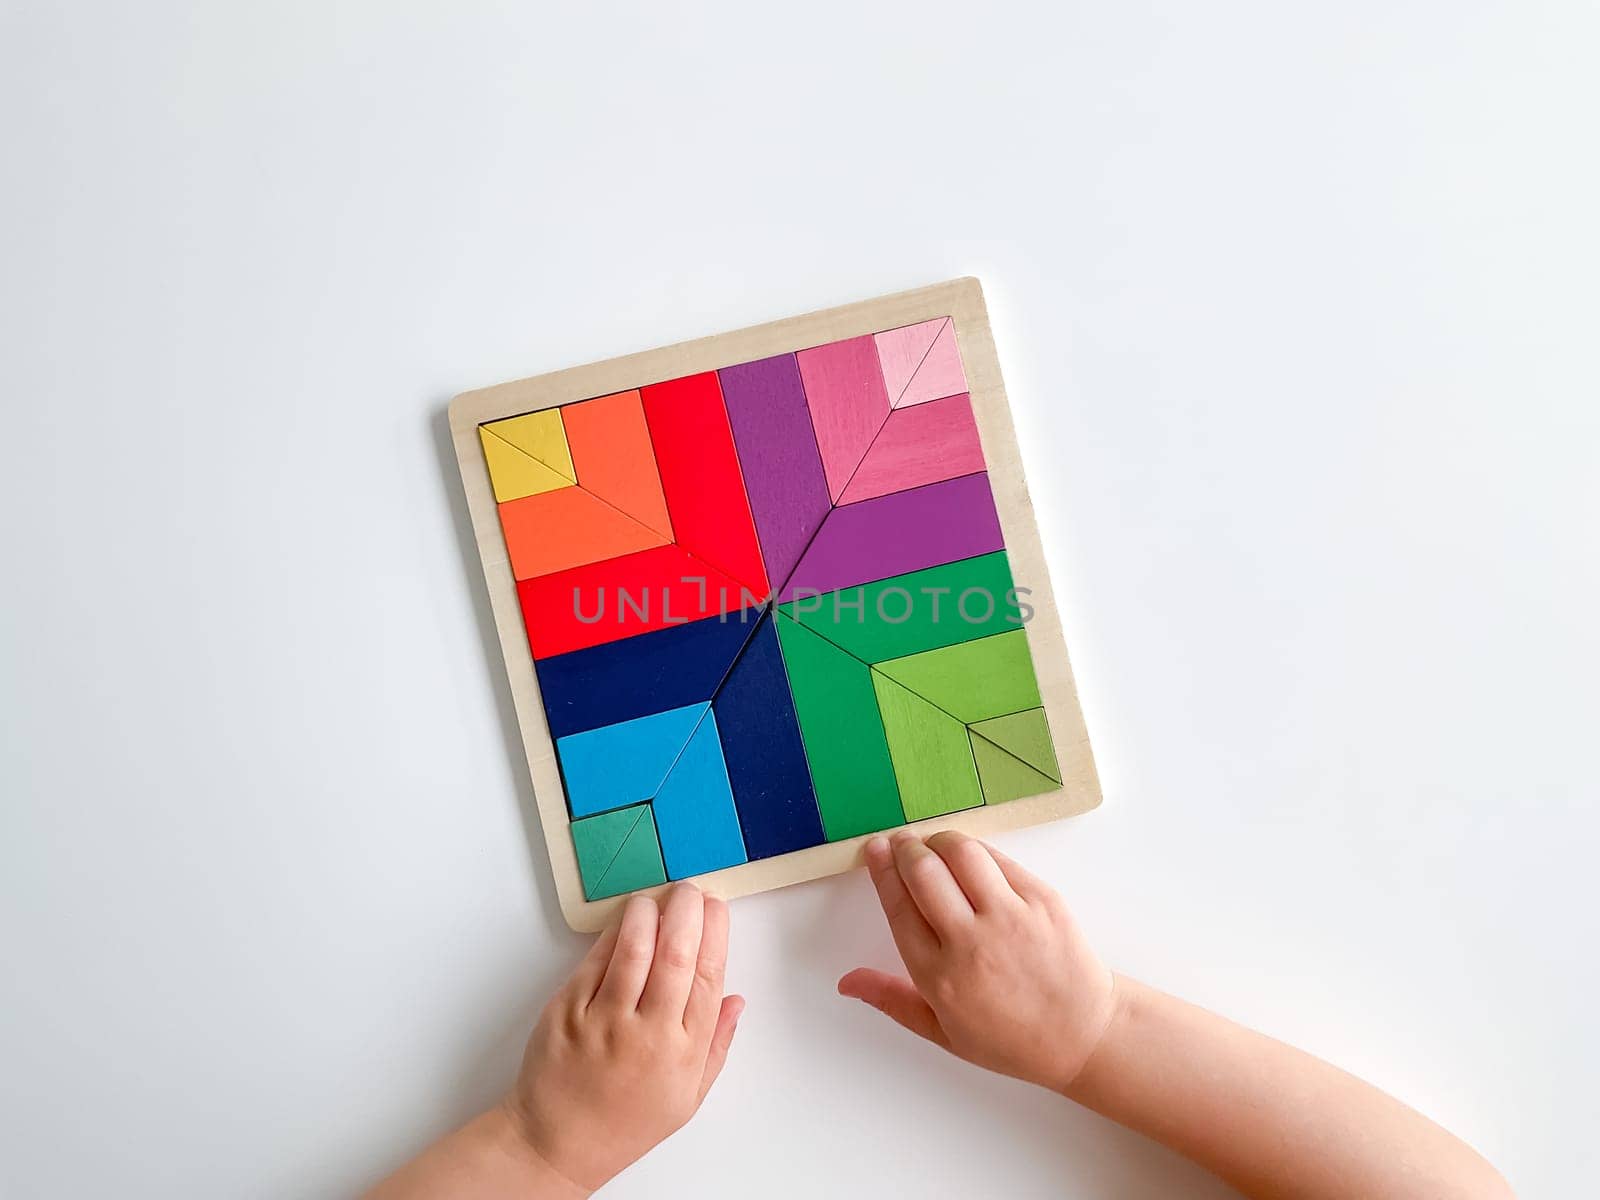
[[695, 816], [516, 473], [613, 457], [765, 756], [901, 351], [1004, 777], [972, 681], [931, 752], [962, 301], [1026, 736], [701, 478], [917, 611], [894, 534], [918, 445], [558, 530], [783, 474], [538, 435], [622, 764], [620, 597], [939, 374], [848, 402]]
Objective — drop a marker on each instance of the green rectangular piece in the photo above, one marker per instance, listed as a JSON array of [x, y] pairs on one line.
[[851, 771], [921, 610], [972, 681], [931, 752]]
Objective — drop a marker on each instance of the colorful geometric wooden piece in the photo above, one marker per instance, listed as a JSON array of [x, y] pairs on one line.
[[778, 449], [1024, 735], [931, 752], [972, 681], [848, 755], [922, 610], [765, 756], [617, 765], [939, 374], [632, 677], [571, 527], [897, 533], [1004, 777], [849, 404], [538, 435], [614, 459], [919, 444], [694, 811], [617, 852], [514, 473], [701, 478], [620, 597], [901, 351]]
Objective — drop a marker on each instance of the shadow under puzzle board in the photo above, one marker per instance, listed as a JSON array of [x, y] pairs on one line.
[[764, 594]]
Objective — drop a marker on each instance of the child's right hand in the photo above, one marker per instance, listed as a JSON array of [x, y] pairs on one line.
[[1000, 974]]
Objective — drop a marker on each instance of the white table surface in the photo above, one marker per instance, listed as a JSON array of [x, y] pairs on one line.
[[1297, 307]]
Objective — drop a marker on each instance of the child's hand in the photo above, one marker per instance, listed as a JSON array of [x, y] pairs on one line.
[[1000, 974], [626, 1050]]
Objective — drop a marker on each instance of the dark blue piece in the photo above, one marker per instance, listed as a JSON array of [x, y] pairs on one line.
[[647, 673], [765, 757]]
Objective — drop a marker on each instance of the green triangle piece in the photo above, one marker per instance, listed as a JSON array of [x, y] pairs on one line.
[[932, 755], [837, 708], [1025, 735], [597, 841], [972, 681], [637, 863], [1005, 776]]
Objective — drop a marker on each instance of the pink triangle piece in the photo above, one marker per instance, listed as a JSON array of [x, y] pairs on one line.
[[922, 444], [901, 351], [940, 374]]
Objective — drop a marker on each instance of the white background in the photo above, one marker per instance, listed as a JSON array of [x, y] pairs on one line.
[[1297, 306]]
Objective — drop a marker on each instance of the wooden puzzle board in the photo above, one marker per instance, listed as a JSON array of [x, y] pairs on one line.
[[728, 581]]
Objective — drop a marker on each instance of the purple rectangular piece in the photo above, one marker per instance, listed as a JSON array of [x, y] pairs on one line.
[[778, 450], [903, 531]]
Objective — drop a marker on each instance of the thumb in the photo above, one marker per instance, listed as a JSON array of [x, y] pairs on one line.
[[721, 1039], [896, 998]]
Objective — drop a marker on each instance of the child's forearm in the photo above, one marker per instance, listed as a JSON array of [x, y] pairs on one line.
[[486, 1159], [1270, 1119]]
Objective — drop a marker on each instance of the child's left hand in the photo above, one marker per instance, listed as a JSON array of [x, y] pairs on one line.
[[624, 1053]]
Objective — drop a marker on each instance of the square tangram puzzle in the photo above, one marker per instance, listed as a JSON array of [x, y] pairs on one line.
[[768, 593]]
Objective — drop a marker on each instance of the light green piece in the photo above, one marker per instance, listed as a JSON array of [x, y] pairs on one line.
[[1005, 776], [920, 610], [618, 852], [932, 755], [1025, 735], [972, 681], [851, 772]]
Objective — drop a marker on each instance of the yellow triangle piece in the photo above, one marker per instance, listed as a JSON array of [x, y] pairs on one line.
[[515, 474], [541, 435]]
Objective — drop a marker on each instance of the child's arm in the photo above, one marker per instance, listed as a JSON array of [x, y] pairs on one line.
[[1001, 976], [621, 1058]]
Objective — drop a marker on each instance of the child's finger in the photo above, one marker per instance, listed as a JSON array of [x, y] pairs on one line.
[[931, 885], [1024, 882], [721, 1039], [631, 957], [975, 869], [897, 999], [666, 992], [705, 994], [586, 977], [912, 934]]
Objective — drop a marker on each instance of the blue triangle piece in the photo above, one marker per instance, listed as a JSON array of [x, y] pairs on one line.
[[625, 763], [695, 816]]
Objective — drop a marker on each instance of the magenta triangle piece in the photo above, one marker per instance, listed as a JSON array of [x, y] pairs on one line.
[[845, 392], [901, 532], [921, 444], [940, 374]]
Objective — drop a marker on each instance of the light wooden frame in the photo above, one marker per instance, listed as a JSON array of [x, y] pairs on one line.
[[960, 299]]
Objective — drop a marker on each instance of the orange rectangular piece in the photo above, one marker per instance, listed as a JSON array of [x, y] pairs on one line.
[[555, 531], [611, 451], [604, 601], [701, 478]]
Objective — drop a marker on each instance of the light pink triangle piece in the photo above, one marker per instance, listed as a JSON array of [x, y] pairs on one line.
[[940, 374], [900, 351]]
